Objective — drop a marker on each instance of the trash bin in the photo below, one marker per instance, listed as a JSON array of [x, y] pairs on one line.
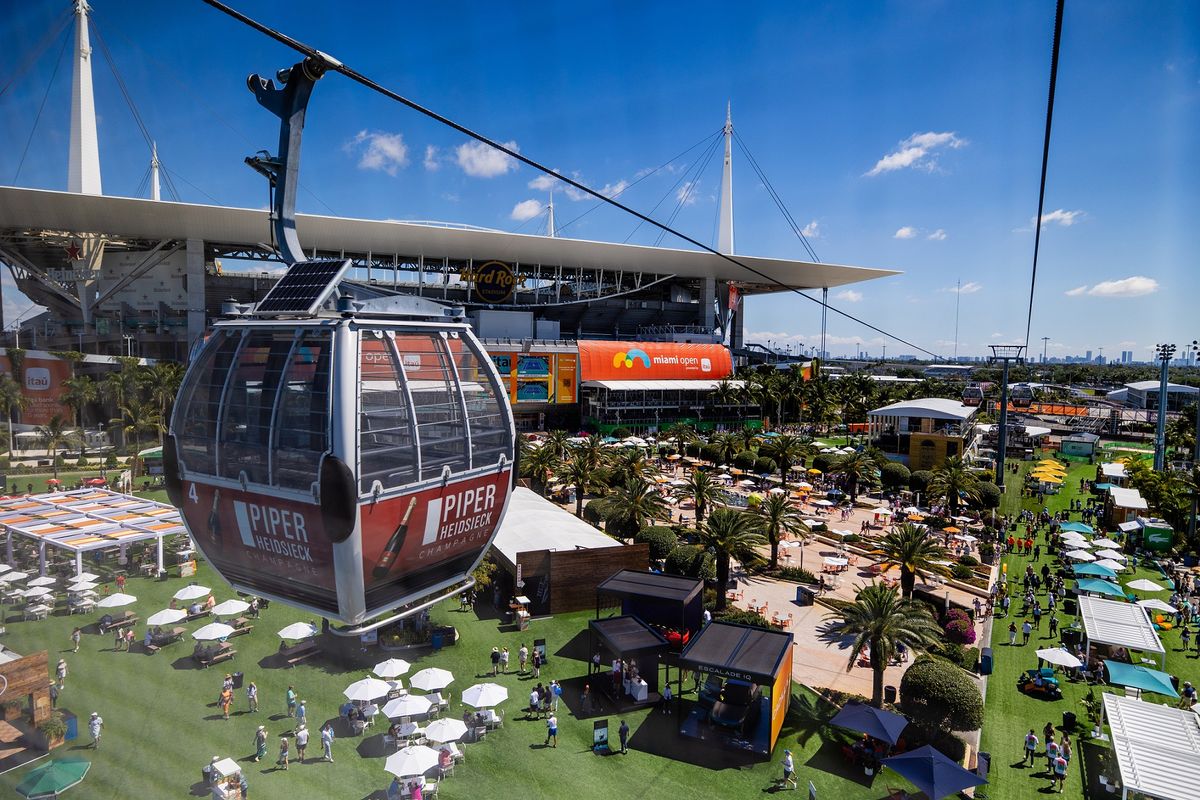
[[1069, 720], [448, 634], [237, 680], [1070, 606], [804, 596], [889, 694], [72, 722], [985, 661], [436, 640]]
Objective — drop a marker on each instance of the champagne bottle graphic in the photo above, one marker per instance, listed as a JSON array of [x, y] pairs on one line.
[[391, 550], [214, 522]]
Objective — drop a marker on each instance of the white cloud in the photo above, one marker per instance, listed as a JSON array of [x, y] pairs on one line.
[[1126, 343], [849, 295], [1134, 286], [938, 236], [614, 189], [379, 150], [686, 193], [918, 151], [526, 209], [907, 232], [997, 335], [970, 287], [812, 230], [543, 182], [1061, 218], [549, 183], [481, 161], [1077, 291], [431, 158]]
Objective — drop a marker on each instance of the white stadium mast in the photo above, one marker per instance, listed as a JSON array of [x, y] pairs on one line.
[[83, 173], [725, 229]]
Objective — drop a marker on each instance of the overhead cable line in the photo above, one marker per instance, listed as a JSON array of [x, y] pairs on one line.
[[41, 108], [335, 65], [51, 35], [704, 157], [685, 197], [1037, 231], [783, 209]]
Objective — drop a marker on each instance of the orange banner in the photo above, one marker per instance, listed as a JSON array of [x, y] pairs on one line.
[[42, 385], [652, 361]]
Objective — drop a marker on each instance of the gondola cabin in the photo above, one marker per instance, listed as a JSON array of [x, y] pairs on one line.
[[344, 460], [972, 396], [1021, 395]]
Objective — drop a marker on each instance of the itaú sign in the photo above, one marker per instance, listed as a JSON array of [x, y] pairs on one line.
[[493, 281]]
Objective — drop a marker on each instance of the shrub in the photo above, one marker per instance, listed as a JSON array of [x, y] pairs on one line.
[[989, 495], [765, 466], [592, 514], [692, 449], [744, 460], [894, 475], [111, 461], [965, 657], [53, 726], [692, 561], [851, 538], [987, 551], [662, 540], [958, 627], [919, 480], [796, 574], [824, 461], [82, 462], [621, 433], [936, 523], [710, 452], [938, 697], [740, 616], [968, 561], [961, 573]]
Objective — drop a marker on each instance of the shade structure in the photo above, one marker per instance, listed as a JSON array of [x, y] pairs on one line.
[[51, 779], [411, 705], [445, 730], [431, 679], [1111, 555], [193, 592], [117, 600], [1098, 586], [367, 689], [1144, 585], [485, 695], [952, 529], [229, 608], [1059, 657], [36, 591], [43, 581], [4, 567], [1080, 555], [933, 773], [1157, 747], [822, 503], [392, 668], [86, 576], [168, 616], [1115, 566], [1140, 677], [298, 630], [1094, 571], [1108, 544], [1076, 544], [212, 631], [82, 586], [1158, 605], [875, 722], [411, 761], [1077, 527], [13, 576]]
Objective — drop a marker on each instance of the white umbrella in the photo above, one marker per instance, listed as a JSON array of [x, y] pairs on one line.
[[168, 616], [367, 689], [298, 630], [36, 591], [678, 482], [883, 512], [411, 705], [822, 503], [786, 545], [965, 537], [15, 575], [431, 679], [1158, 605], [391, 668], [213, 630], [1080, 555], [835, 562], [1056, 655], [812, 523], [411, 761], [1112, 555], [1143, 585], [1105, 543], [485, 695], [746, 482], [192, 592], [962, 519], [445, 730], [777, 490], [82, 586], [43, 581], [1115, 566], [4, 567], [116, 600], [86, 576], [1077, 541], [229, 608]]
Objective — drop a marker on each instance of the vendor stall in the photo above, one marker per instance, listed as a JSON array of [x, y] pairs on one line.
[[671, 604], [226, 778], [628, 667]]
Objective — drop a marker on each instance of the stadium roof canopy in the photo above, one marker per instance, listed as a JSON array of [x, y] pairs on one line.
[[35, 210], [927, 408]]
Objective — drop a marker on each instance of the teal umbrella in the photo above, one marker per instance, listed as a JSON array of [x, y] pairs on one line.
[[1078, 527], [52, 779], [1139, 677], [1094, 571], [1099, 587]]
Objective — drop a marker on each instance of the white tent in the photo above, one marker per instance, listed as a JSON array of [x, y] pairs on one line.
[[1119, 624], [1157, 747]]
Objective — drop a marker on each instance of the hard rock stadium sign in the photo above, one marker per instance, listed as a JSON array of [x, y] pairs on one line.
[[493, 281]]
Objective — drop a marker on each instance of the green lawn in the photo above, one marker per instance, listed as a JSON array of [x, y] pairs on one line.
[[161, 729], [1010, 713]]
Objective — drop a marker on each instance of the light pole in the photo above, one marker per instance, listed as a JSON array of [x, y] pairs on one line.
[[1163, 353], [1194, 351], [1045, 341], [1004, 353]]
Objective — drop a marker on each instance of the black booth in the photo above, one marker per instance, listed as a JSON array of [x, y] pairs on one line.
[[672, 605], [627, 641]]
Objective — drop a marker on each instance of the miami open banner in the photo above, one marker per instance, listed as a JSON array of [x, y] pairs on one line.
[[652, 361]]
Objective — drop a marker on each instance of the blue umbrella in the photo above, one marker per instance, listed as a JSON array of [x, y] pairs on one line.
[[875, 722], [1099, 587], [1078, 527], [1095, 570], [933, 773], [1139, 677]]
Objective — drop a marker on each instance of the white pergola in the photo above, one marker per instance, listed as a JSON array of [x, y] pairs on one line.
[[1119, 624], [1157, 748], [86, 520]]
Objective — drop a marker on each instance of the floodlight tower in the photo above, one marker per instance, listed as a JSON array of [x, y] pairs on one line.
[[1164, 353], [1194, 351], [1005, 354]]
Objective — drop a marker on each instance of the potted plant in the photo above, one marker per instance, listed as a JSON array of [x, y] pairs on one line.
[[12, 709], [1110, 771], [53, 730]]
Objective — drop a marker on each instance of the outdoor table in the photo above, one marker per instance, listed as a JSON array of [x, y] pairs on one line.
[[639, 690]]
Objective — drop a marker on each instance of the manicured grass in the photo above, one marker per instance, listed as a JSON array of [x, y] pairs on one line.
[[161, 729], [1009, 713]]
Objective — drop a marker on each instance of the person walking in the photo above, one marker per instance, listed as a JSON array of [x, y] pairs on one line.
[[1031, 747], [226, 701], [301, 743], [260, 742], [1185, 636], [61, 673], [95, 728], [1026, 630], [789, 770], [77, 634], [1051, 754], [623, 734], [252, 697], [555, 694], [1058, 773], [504, 661], [291, 701], [536, 661], [301, 715], [327, 742], [283, 753], [666, 699], [495, 661], [1012, 634], [523, 657], [552, 730], [120, 583], [53, 694]]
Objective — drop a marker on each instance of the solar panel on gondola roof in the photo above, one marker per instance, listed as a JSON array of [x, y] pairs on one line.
[[304, 288]]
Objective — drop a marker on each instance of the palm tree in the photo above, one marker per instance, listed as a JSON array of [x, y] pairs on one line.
[[579, 473], [702, 490], [857, 468], [681, 433], [135, 417], [778, 520], [730, 534], [556, 440], [786, 451], [590, 451], [632, 506], [11, 399], [631, 465], [77, 393], [728, 445], [538, 464], [162, 379], [120, 387], [954, 481], [880, 621], [55, 434], [915, 550]]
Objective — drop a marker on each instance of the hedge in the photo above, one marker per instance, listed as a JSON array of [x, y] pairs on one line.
[[662, 540], [919, 480], [894, 475], [940, 697]]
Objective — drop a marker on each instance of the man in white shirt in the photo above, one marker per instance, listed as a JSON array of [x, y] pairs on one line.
[[95, 725], [789, 770]]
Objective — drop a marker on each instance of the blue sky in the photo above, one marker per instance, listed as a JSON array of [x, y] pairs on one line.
[[902, 135]]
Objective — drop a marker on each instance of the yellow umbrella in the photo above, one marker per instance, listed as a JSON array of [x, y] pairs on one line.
[[1050, 480], [915, 518], [951, 529], [814, 472]]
